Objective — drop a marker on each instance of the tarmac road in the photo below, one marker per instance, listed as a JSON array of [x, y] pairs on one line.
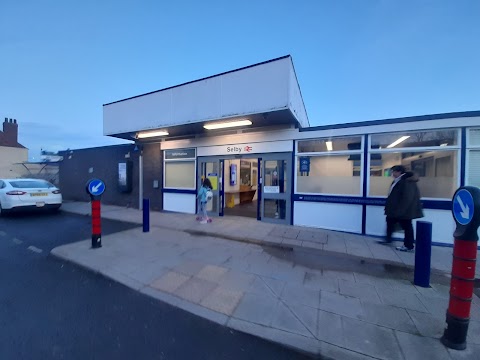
[[50, 309]]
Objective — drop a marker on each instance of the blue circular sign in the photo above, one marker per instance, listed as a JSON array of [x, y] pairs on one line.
[[463, 207], [96, 187]]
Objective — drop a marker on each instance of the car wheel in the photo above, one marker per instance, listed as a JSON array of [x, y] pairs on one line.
[[3, 212]]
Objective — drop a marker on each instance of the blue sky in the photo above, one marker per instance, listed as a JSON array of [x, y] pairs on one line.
[[60, 61]]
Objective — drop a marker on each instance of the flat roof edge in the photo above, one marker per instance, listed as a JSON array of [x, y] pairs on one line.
[[459, 114], [205, 78]]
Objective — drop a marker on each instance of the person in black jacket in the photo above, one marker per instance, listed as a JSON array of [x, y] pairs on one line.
[[403, 205]]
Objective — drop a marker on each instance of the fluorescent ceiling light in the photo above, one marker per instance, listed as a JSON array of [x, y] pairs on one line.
[[226, 124], [398, 141], [444, 144], [148, 134], [329, 145]]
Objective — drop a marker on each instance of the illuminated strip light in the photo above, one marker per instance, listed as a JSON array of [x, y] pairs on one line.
[[329, 145], [228, 124], [148, 134], [398, 141]]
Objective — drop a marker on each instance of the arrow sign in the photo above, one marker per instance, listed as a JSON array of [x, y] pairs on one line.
[[465, 213], [463, 207], [96, 187]]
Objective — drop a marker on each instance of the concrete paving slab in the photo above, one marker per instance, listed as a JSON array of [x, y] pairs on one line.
[[169, 282], [195, 289], [291, 233], [255, 308], [340, 275], [316, 281], [472, 352], [285, 319], [189, 268], [427, 324], [379, 283], [306, 235], [330, 351], [473, 332], [211, 273], [421, 348], [307, 315], [330, 328], [404, 285], [372, 340], [401, 299], [293, 275], [274, 286], [366, 293], [336, 245], [291, 242], [222, 300], [236, 280], [149, 272], [389, 316], [432, 292], [298, 294], [435, 305], [312, 245], [341, 305]]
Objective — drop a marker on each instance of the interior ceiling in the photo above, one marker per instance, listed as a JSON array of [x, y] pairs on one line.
[[281, 117]]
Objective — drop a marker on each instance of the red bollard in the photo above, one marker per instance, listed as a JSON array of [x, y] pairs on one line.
[[466, 212], [96, 224], [95, 188]]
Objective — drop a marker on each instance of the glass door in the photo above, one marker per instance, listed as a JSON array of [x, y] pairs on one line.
[[211, 169], [276, 188]]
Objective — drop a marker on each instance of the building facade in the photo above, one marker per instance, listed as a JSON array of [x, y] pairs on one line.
[[12, 153], [248, 132]]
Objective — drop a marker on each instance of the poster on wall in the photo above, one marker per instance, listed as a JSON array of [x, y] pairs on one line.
[[233, 174], [213, 177], [122, 174], [271, 189]]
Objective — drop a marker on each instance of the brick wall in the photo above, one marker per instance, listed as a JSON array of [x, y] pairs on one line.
[[153, 171], [79, 166]]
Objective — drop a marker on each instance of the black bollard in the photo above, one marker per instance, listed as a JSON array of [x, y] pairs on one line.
[[423, 254], [146, 215]]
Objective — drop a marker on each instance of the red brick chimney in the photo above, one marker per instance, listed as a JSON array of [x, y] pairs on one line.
[[9, 136]]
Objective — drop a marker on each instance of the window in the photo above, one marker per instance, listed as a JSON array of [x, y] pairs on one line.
[[179, 168], [436, 164], [415, 139], [330, 144], [473, 158], [333, 164]]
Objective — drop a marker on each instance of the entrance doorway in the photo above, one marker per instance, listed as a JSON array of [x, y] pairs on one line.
[[254, 186]]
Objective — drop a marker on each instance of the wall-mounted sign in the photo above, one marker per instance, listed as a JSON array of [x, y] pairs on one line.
[[271, 189], [304, 164], [180, 154], [247, 148], [122, 174]]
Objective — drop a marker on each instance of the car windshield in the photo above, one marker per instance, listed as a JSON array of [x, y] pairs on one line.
[[24, 184]]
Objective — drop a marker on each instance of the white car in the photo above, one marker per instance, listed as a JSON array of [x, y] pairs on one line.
[[25, 194]]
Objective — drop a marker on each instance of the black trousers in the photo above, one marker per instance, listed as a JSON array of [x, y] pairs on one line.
[[406, 225]]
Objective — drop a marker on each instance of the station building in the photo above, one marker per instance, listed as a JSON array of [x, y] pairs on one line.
[[247, 130]]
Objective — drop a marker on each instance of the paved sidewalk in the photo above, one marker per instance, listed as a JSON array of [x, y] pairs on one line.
[[337, 295]]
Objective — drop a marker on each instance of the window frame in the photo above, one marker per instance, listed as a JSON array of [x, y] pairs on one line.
[[469, 148], [190, 159], [327, 153], [454, 148]]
